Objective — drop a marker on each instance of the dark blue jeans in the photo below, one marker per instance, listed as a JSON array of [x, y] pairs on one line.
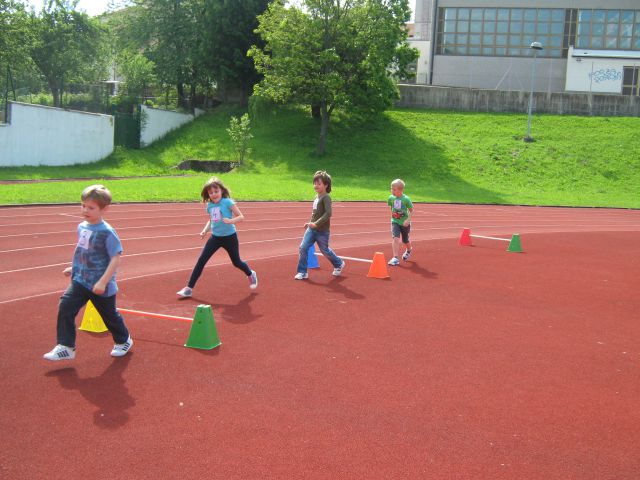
[[312, 236], [230, 244], [73, 299]]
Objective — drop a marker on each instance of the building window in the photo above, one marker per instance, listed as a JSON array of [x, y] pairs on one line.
[[608, 29], [500, 31], [630, 81], [510, 31]]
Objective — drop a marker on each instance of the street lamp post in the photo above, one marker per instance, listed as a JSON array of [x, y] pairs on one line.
[[536, 47]]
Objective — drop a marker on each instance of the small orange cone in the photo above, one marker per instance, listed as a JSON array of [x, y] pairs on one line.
[[465, 238], [378, 267], [91, 320]]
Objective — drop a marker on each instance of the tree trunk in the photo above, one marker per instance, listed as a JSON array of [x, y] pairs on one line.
[[324, 127], [181, 98], [315, 111], [55, 93], [192, 99]]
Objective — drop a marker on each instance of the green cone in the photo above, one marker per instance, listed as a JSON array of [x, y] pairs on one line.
[[514, 244], [203, 332]]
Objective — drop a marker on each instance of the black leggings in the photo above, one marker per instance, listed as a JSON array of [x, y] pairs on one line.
[[230, 244]]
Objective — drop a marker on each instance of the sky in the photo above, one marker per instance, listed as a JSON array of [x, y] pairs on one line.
[[90, 7], [96, 7]]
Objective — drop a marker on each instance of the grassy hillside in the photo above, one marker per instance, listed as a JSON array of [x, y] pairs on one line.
[[443, 157]]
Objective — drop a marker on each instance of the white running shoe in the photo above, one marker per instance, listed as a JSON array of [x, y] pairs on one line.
[[301, 276], [406, 255], [121, 349], [185, 292], [394, 262], [253, 280], [60, 352], [338, 271]]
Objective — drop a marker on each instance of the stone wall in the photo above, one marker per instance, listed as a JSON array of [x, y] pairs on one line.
[[476, 100]]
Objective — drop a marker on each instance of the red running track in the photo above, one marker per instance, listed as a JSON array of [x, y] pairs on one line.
[[469, 362]]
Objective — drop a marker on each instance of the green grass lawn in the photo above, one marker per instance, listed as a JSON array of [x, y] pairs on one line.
[[443, 157]]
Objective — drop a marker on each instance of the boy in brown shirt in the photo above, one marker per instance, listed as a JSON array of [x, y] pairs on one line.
[[317, 229]]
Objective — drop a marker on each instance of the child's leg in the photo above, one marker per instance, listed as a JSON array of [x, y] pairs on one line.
[[322, 238], [395, 242], [405, 237], [308, 239], [106, 307], [407, 244], [71, 301], [212, 245], [230, 244]]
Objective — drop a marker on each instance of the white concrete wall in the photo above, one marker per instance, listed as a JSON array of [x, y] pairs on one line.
[[598, 75], [37, 135], [157, 123], [422, 65]]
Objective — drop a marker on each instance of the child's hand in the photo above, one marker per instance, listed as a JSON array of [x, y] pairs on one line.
[[406, 223], [203, 233], [311, 225], [67, 271], [227, 220], [98, 288]]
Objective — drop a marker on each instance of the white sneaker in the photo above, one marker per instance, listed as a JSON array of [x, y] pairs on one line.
[[301, 276], [253, 280], [185, 292], [121, 349], [394, 262], [406, 255], [338, 271], [60, 352]]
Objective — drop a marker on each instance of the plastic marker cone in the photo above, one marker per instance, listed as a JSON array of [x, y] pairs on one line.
[[203, 332], [312, 259], [514, 244], [378, 268], [91, 320], [465, 238]]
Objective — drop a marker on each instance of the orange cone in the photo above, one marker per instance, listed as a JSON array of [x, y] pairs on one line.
[[378, 267], [465, 238]]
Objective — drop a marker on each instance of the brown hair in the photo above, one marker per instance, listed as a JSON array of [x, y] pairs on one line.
[[226, 193], [97, 193], [324, 177]]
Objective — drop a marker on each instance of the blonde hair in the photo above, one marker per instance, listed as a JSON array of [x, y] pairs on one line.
[[97, 193], [226, 193], [324, 177], [398, 183]]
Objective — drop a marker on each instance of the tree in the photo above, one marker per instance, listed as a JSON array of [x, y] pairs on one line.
[[68, 46], [229, 32], [334, 54], [170, 33], [15, 36]]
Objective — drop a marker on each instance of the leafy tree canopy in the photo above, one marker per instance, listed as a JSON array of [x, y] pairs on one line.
[[334, 53]]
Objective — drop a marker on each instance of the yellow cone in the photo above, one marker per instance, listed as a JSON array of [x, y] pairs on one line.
[[91, 320]]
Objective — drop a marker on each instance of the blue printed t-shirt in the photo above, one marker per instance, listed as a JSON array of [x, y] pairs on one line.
[[97, 244], [399, 208], [218, 211]]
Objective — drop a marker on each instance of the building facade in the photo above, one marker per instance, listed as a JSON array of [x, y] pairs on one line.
[[586, 47]]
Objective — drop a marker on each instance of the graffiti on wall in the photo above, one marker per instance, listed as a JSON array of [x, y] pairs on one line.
[[605, 75]]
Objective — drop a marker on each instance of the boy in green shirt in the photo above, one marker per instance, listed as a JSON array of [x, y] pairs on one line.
[[401, 209]]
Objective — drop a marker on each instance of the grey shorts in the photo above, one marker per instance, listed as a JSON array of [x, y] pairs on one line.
[[397, 230]]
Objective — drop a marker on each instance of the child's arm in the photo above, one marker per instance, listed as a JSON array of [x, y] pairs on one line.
[[408, 220], [101, 285], [237, 215], [205, 229]]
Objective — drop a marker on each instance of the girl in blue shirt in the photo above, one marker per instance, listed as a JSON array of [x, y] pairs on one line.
[[223, 215]]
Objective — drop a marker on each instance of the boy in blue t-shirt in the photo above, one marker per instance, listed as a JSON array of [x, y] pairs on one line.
[[401, 209], [95, 261]]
